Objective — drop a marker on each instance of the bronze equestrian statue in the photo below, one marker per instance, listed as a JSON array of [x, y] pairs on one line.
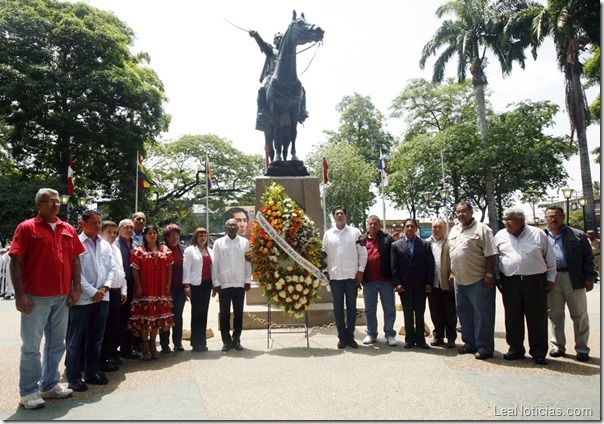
[[281, 98]]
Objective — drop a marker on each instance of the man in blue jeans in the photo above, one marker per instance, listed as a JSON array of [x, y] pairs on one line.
[[88, 317], [473, 253], [346, 260], [378, 280], [45, 270]]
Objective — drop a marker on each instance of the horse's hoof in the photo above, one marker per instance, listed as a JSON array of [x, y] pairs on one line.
[[294, 157], [278, 158]]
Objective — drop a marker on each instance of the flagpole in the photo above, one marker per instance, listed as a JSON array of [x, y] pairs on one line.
[[383, 203], [442, 163], [324, 208], [207, 196], [136, 185]]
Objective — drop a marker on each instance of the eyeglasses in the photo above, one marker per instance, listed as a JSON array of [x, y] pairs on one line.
[[553, 216], [51, 202]]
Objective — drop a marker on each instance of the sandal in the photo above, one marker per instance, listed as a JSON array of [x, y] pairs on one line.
[[153, 349], [146, 354]]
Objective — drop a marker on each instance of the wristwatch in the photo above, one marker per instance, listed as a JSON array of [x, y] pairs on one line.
[[488, 274]]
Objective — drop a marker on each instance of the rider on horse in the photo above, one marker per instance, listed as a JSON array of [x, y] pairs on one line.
[[267, 72]]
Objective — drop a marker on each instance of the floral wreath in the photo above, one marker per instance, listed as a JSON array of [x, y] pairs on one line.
[[286, 284]]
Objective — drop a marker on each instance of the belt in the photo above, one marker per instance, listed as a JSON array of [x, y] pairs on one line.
[[562, 269], [525, 277], [115, 290]]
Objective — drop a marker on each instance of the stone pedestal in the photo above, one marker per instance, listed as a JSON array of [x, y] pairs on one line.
[[305, 191]]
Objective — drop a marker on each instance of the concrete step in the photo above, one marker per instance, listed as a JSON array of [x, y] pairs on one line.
[[254, 295]]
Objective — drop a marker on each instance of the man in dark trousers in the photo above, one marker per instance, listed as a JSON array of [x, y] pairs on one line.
[[413, 274]]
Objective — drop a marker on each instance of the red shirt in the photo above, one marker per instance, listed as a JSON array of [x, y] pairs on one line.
[[177, 267], [373, 269], [46, 255]]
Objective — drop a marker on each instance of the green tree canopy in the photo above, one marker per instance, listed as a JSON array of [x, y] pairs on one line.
[[69, 86], [179, 169]]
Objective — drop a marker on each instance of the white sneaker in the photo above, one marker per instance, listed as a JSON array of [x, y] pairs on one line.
[[31, 401], [369, 340], [391, 341], [57, 392]]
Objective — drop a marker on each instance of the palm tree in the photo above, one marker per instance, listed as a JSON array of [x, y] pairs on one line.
[[573, 25], [477, 28]]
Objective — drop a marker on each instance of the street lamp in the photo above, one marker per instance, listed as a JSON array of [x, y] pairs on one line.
[[428, 197], [65, 201], [82, 201], [567, 193]]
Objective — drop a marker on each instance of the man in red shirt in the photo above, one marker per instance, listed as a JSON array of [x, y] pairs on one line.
[[45, 269], [377, 279]]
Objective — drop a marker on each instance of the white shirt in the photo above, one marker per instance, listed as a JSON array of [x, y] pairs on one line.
[[119, 276], [193, 265], [437, 249], [229, 267], [345, 257], [530, 253], [97, 266]]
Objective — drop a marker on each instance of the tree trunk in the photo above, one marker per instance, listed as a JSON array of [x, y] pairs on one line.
[[488, 175], [578, 99]]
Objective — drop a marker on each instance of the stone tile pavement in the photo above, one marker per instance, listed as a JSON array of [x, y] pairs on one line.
[[289, 381]]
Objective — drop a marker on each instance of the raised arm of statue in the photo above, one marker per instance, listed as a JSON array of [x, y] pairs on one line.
[[266, 48]]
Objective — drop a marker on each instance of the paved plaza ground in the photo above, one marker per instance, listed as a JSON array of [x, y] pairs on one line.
[[288, 381]]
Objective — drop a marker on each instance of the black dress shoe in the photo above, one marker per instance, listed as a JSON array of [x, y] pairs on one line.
[[341, 344], [512, 356], [353, 344], [226, 347], [97, 379], [237, 346], [409, 345], [540, 361], [116, 360], [450, 344], [582, 357], [200, 348], [179, 349], [483, 355], [166, 349], [130, 355], [78, 386], [463, 350], [437, 342], [423, 345], [555, 353], [110, 367]]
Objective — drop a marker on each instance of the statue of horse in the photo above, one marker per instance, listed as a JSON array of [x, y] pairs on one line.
[[284, 91]]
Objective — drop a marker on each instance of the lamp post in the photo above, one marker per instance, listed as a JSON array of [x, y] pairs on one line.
[[65, 201], [428, 197], [582, 202], [444, 193], [567, 193]]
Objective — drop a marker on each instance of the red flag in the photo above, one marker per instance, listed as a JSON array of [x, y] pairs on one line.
[[70, 186], [143, 180], [325, 168]]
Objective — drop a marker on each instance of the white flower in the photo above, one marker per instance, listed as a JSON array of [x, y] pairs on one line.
[[299, 287], [316, 283], [296, 296], [289, 268], [288, 300], [282, 293], [297, 306], [295, 278], [279, 285], [303, 300], [290, 289], [305, 291]]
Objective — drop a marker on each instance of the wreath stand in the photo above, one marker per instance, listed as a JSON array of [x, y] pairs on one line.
[[285, 328]]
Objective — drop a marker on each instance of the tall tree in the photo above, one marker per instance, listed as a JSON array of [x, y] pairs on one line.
[[573, 25], [69, 86], [362, 125], [350, 177], [179, 169], [475, 30]]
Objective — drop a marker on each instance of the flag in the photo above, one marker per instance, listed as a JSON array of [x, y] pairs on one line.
[[383, 171], [143, 180], [70, 186], [325, 168], [266, 156], [208, 174]]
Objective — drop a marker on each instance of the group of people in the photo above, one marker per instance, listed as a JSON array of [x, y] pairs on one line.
[[101, 295], [538, 272]]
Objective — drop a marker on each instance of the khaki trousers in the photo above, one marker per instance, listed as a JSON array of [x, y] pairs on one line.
[[576, 300]]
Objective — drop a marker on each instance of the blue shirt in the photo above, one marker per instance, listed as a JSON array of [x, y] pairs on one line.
[[557, 244], [410, 243]]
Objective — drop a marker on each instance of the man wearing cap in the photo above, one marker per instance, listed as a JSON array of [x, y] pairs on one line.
[[575, 277]]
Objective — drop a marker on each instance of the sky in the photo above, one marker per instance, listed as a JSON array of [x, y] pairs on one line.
[[210, 69]]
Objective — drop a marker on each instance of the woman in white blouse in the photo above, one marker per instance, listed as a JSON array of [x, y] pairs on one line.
[[197, 281]]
